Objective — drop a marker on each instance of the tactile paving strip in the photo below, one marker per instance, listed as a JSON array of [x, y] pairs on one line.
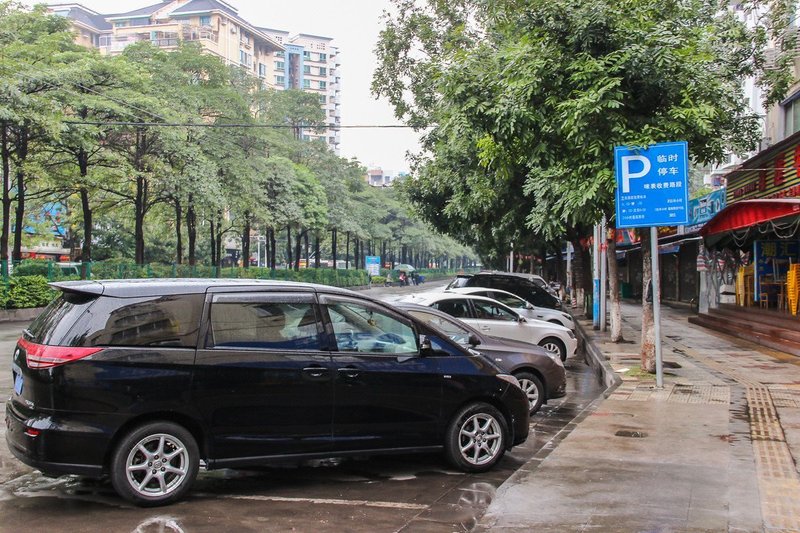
[[778, 480], [785, 395], [675, 393]]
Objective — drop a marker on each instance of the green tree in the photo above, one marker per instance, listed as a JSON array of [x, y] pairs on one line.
[[530, 96]]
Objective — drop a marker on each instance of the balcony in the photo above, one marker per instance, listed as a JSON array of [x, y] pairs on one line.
[[115, 45]]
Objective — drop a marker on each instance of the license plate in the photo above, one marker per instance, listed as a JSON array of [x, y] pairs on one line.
[[18, 383]]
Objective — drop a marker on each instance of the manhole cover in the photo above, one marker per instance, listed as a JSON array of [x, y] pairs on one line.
[[630, 433]]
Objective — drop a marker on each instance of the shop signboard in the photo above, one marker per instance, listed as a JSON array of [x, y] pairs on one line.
[[373, 265], [775, 176], [652, 185], [703, 209]]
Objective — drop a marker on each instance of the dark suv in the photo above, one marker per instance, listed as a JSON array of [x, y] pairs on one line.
[[513, 283], [141, 380]]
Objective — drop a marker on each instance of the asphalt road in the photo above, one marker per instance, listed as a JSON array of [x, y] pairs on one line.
[[399, 493]]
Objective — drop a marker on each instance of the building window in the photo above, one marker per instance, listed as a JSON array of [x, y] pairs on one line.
[[121, 24], [280, 65], [306, 55], [262, 69], [245, 58], [306, 84], [279, 53], [306, 69], [280, 80], [323, 99], [323, 85], [323, 57], [792, 115], [205, 20], [140, 22], [323, 71]]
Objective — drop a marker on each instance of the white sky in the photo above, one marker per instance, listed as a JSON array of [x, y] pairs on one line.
[[354, 25]]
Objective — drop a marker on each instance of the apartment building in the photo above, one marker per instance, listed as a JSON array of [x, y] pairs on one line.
[[282, 60]]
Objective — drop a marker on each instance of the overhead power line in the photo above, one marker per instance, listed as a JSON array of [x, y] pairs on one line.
[[225, 125]]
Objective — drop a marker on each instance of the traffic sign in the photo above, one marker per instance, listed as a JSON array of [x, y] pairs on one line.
[[652, 185]]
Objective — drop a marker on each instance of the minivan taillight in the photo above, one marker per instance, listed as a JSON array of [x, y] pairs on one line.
[[42, 356]]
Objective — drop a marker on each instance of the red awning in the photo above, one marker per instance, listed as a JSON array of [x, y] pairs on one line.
[[739, 217]]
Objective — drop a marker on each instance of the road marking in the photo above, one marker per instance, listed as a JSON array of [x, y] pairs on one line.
[[333, 501]]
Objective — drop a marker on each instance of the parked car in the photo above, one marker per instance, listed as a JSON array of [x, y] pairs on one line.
[[524, 308], [540, 373], [140, 380], [495, 319], [513, 283]]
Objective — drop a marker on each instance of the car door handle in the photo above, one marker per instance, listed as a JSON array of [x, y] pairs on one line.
[[485, 328], [349, 371], [315, 371]]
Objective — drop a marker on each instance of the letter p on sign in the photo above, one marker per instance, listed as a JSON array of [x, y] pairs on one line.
[[627, 175]]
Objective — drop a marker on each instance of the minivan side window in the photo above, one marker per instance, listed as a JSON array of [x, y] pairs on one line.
[[364, 328], [455, 308], [168, 321], [276, 325]]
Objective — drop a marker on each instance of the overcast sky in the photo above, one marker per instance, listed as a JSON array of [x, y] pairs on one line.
[[354, 26]]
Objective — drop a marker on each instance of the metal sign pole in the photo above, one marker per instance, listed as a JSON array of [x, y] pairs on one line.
[[596, 278], [603, 273], [656, 304]]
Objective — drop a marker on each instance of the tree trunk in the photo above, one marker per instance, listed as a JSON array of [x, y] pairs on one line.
[[218, 237], [140, 200], [212, 235], [289, 247], [191, 231], [613, 284], [178, 231], [347, 252], [298, 248], [272, 248], [19, 223], [246, 242], [648, 353], [317, 258], [305, 240], [333, 246], [86, 249], [6, 156]]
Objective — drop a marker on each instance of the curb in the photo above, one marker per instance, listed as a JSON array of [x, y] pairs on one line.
[[597, 360], [20, 315]]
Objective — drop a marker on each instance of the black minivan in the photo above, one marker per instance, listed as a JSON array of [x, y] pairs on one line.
[[141, 380]]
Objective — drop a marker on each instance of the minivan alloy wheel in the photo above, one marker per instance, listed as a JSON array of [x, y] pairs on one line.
[[155, 464]]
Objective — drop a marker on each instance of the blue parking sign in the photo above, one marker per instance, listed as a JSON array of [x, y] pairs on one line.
[[652, 185]]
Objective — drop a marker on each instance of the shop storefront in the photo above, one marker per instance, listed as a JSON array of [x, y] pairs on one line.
[[753, 245]]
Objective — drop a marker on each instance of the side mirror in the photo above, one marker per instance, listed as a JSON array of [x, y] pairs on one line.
[[529, 307], [522, 320], [424, 344], [474, 340]]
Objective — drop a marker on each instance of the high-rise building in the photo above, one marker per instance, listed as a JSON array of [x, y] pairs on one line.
[[282, 60]]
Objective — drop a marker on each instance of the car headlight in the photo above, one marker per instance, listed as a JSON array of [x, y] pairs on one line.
[[511, 379]]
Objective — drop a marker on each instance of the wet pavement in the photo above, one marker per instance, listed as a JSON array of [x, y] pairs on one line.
[[715, 449], [397, 493]]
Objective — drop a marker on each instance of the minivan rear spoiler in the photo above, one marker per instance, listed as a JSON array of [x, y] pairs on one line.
[[84, 287]]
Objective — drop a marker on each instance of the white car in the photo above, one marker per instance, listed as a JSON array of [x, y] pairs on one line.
[[521, 306], [497, 320]]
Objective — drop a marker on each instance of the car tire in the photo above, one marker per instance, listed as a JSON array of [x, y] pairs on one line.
[[533, 388], [155, 464], [554, 345], [476, 438]]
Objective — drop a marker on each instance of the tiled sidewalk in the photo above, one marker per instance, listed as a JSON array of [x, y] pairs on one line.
[[712, 451]]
